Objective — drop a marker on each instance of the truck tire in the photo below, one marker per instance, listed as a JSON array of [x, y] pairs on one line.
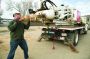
[[86, 29], [76, 38], [73, 37]]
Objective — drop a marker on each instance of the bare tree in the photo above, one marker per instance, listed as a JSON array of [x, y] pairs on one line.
[[1, 12], [21, 6]]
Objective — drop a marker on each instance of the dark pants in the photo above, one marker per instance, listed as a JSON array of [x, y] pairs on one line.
[[13, 46]]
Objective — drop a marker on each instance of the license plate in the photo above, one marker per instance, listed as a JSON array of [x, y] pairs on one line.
[[64, 34], [62, 38]]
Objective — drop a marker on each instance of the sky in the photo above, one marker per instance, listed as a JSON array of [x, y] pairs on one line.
[[82, 5]]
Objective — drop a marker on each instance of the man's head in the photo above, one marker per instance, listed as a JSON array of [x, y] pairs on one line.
[[17, 16]]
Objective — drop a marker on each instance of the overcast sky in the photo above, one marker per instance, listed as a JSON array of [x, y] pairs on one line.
[[82, 5]]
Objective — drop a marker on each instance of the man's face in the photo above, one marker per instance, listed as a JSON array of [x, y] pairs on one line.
[[17, 17]]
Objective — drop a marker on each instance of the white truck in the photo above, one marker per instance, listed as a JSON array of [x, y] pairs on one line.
[[62, 23]]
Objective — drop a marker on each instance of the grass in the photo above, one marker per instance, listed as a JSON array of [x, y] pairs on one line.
[[3, 30]]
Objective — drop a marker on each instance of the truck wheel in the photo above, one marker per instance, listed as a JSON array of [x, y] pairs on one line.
[[76, 38], [73, 37], [85, 29]]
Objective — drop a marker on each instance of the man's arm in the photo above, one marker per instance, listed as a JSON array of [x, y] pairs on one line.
[[12, 25], [27, 26]]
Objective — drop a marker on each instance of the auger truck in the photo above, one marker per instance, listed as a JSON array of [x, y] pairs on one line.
[[62, 23]]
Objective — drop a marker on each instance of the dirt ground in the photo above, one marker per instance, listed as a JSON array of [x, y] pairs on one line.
[[43, 50]]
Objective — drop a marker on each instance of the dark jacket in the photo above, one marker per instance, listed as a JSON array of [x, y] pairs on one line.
[[17, 29]]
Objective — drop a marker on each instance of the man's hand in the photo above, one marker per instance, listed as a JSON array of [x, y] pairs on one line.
[[24, 17], [21, 19], [33, 17]]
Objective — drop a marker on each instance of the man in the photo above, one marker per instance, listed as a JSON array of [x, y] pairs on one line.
[[16, 28]]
